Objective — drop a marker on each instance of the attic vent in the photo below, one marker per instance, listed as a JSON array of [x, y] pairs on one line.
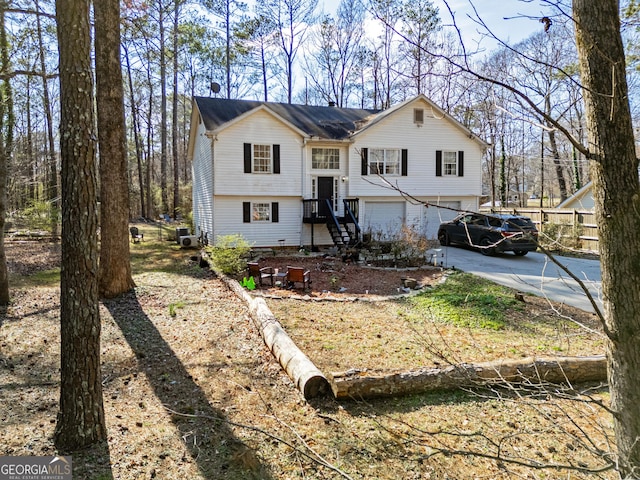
[[418, 116]]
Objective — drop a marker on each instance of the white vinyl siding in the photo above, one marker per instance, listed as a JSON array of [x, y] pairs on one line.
[[229, 217], [202, 174], [399, 131], [259, 128]]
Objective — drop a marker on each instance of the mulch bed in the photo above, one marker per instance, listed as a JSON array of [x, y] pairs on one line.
[[333, 278]]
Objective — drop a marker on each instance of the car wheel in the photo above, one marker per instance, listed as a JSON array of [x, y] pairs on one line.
[[485, 249], [520, 253], [443, 238]]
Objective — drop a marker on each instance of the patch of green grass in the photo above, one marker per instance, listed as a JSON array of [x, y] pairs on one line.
[[467, 301], [43, 278]]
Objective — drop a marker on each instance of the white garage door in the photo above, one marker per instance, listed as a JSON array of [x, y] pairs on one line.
[[384, 219], [433, 216]]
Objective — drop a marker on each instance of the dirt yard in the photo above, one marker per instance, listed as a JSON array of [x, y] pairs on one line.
[[190, 391], [333, 278]]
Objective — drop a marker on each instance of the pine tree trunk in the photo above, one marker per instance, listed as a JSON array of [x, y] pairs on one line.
[[115, 267], [52, 168], [614, 171], [6, 140], [81, 419], [163, 112]]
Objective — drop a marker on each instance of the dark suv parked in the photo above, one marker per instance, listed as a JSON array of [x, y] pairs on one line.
[[491, 233]]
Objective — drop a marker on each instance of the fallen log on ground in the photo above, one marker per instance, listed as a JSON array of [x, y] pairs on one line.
[[304, 374], [552, 370]]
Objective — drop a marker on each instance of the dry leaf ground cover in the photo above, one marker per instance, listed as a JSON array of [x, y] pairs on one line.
[[190, 391]]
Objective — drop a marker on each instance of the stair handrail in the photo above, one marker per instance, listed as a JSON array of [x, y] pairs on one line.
[[332, 219], [352, 217]]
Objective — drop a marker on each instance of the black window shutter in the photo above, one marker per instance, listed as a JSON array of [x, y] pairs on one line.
[[275, 212], [246, 212], [461, 163], [276, 159], [247, 158], [438, 163], [364, 156], [405, 155]]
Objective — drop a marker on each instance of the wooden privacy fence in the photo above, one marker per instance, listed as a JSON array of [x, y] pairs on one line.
[[576, 229]]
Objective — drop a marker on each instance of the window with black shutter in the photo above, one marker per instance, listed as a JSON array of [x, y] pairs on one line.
[[247, 158], [404, 166], [276, 159], [260, 158], [364, 158], [449, 163], [246, 212]]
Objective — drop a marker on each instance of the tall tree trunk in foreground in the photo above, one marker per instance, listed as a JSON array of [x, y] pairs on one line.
[[614, 171], [7, 122], [81, 419], [115, 267], [6, 147]]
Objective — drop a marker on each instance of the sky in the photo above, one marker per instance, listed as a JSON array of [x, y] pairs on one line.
[[507, 19]]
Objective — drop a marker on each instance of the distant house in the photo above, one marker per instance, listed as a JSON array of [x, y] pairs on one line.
[[581, 200], [294, 175]]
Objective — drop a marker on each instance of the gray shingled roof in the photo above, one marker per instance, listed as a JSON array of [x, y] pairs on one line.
[[324, 122]]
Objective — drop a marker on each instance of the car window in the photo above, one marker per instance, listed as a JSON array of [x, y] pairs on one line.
[[516, 222], [495, 222]]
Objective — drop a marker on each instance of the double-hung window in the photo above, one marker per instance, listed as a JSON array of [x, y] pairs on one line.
[[449, 163], [261, 158], [384, 161], [325, 158], [260, 212]]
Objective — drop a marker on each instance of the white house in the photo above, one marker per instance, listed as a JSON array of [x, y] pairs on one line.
[[581, 200], [286, 175]]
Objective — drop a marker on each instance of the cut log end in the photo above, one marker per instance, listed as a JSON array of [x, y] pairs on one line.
[[315, 386]]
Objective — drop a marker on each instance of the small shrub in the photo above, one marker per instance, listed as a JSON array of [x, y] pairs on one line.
[[407, 246], [560, 237], [38, 215], [229, 254]]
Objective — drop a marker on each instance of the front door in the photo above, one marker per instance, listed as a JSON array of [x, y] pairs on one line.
[[325, 191]]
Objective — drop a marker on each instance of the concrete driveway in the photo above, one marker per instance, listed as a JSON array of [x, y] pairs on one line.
[[533, 273]]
